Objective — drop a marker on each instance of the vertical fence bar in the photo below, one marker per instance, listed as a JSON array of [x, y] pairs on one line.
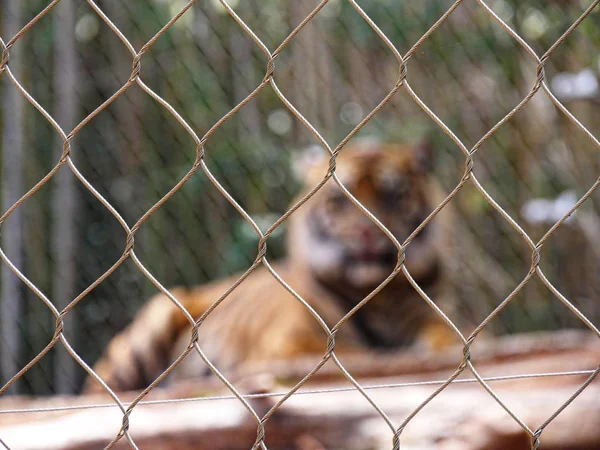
[[11, 299], [64, 207]]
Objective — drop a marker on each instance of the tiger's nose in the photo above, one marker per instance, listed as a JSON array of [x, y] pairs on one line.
[[367, 233]]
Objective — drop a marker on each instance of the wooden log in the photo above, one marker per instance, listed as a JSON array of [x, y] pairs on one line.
[[464, 416]]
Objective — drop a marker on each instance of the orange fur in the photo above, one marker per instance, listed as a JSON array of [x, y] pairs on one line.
[[336, 257]]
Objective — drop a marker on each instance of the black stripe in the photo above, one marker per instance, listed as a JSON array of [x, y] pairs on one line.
[[163, 352], [365, 318], [141, 380]]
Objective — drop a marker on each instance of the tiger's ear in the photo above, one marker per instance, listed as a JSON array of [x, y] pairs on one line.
[[306, 160], [424, 155]]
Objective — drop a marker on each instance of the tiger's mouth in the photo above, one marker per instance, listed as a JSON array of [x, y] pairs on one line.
[[367, 270], [386, 257], [380, 261]]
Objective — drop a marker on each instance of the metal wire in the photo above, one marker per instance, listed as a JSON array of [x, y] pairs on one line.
[[202, 144], [303, 392]]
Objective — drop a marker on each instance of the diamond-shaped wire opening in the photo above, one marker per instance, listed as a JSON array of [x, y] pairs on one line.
[[306, 63], [567, 397]]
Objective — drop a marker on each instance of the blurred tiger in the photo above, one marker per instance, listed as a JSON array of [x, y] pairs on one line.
[[336, 256]]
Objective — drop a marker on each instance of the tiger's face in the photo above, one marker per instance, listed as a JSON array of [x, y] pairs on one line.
[[338, 243]]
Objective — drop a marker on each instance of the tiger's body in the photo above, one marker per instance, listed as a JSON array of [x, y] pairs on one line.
[[336, 257]]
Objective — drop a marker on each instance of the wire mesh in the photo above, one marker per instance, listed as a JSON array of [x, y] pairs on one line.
[[300, 111]]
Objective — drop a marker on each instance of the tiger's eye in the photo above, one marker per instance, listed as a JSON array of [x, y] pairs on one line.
[[394, 193], [337, 202]]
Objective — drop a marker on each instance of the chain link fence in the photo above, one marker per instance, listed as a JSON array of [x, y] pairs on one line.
[[174, 123]]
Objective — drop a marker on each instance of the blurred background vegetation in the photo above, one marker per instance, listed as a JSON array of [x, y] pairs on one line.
[[470, 72]]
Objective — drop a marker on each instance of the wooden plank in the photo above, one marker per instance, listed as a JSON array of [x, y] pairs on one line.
[[464, 416]]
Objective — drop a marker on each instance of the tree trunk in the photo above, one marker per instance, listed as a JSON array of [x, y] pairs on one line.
[[12, 180], [64, 229]]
